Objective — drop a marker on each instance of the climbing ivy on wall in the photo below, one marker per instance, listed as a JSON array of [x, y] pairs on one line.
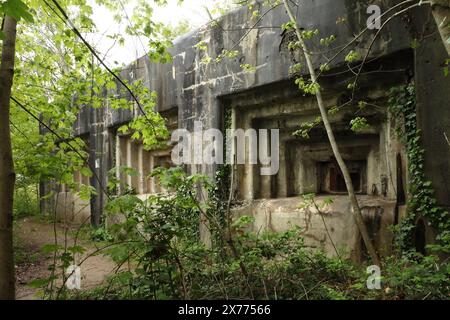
[[421, 200]]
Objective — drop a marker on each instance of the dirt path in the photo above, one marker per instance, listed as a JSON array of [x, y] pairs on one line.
[[32, 234]]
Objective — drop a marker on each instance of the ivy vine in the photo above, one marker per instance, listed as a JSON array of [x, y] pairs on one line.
[[421, 201]]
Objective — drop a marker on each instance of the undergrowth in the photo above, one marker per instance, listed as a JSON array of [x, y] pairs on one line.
[[160, 239]]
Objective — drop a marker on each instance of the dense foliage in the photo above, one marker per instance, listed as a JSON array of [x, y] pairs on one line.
[[160, 256], [57, 76]]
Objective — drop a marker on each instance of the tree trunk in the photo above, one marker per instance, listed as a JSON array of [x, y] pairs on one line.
[[348, 181], [7, 175], [441, 14]]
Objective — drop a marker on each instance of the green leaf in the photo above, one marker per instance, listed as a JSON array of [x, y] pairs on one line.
[[17, 9], [39, 283], [50, 248], [352, 56], [359, 124], [86, 172], [76, 249], [86, 192]]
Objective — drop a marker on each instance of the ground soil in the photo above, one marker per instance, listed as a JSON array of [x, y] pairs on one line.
[[31, 263]]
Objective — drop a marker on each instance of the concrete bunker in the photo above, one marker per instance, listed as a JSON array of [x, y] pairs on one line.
[[189, 91]]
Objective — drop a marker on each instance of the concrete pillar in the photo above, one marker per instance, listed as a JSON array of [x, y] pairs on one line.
[[152, 187], [123, 159], [264, 187], [250, 169], [128, 157], [146, 169], [281, 177], [77, 179], [97, 162], [141, 177], [118, 161], [134, 156]]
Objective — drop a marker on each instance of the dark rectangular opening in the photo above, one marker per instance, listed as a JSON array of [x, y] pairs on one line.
[[332, 181]]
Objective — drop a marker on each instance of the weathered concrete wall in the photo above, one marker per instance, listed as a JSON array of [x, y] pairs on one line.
[[281, 106], [193, 87], [332, 226], [433, 108], [70, 208]]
